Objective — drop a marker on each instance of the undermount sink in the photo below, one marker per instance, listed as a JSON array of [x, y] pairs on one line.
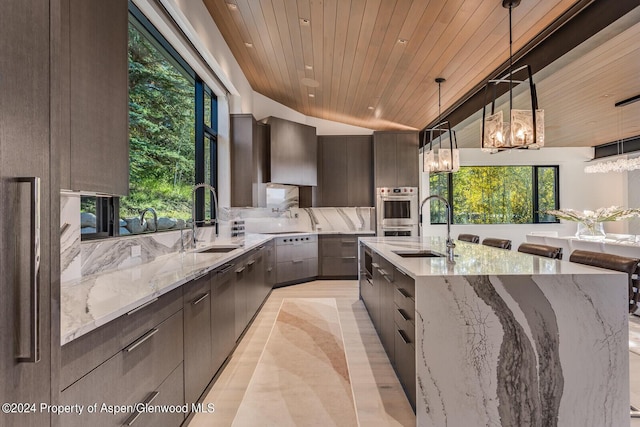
[[217, 250], [417, 254]]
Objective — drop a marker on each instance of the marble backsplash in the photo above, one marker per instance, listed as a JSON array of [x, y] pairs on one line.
[[80, 259]]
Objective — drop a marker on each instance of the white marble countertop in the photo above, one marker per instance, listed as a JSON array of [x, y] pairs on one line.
[[470, 259], [95, 300]]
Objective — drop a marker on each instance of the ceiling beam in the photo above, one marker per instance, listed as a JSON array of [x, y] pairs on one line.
[[582, 21]]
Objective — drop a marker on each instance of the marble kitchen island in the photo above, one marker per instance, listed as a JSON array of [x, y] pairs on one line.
[[510, 339]]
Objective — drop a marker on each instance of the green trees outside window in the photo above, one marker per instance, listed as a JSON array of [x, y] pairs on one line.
[[161, 132], [497, 194]]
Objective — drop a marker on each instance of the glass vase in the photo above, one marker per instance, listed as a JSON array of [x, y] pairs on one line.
[[590, 230]]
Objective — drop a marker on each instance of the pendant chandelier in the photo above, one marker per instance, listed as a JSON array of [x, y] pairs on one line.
[[526, 127], [438, 159]]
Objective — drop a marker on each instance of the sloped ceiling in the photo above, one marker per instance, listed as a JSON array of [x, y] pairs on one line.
[[373, 63]]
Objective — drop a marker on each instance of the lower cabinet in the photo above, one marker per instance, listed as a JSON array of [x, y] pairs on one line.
[[164, 352], [389, 296], [338, 256], [197, 337], [297, 258], [223, 314], [133, 375]]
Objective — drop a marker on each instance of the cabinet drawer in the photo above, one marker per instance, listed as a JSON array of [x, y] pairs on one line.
[[128, 377], [339, 246], [345, 266], [404, 321], [384, 267], [297, 251], [297, 270], [405, 282], [405, 358], [169, 393], [85, 353], [404, 301]]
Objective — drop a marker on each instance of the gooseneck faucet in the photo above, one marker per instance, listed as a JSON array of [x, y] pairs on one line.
[[155, 217], [450, 244], [193, 209]]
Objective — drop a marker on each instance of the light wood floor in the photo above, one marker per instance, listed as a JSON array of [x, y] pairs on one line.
[[379, 398]]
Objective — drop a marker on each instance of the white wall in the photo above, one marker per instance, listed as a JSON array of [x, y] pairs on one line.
[[578, 190]]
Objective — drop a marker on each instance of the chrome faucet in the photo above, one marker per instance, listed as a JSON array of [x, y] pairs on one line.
[[193, 209], [450, 244], [155, 217]]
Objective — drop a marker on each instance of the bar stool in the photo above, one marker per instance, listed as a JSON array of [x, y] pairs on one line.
[[613, 262], [471, 238], [497, 243], [541, 250]]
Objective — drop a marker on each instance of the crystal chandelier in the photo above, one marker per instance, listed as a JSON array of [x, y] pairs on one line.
[[619, 165], [438, 159], [526, 127]]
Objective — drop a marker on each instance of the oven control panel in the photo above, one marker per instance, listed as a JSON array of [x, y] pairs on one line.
[[397, 191]]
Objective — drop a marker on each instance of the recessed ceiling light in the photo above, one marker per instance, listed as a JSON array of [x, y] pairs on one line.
[[402, 41], [304, 21], [248, 44], [308, 67], [369, 108], [311, 95], [232, 6]]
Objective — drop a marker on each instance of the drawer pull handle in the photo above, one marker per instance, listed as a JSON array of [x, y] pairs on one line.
[[403, 293], [200, 276], [225, 268], [297, 261], [348, 242], [349, 257], [199, 300], [140, 307], [250, 263], [132, 419], [269, 270], [240, 270], [404, 315], [137, 343], [403, 336], [387, 278], [370, 281], [402, 272], [373, 264]]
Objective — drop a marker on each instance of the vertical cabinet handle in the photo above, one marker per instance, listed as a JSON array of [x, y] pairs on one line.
[[34, 272]]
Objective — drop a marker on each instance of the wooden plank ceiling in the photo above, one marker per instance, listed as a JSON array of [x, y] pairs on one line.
[[374, 61]]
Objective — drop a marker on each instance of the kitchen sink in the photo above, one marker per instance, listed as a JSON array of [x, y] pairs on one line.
[[417, 254], [217, 250]]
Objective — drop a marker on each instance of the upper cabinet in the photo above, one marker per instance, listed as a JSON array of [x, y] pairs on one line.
[[96, 158], [294, 149], [249, 160], [345, 171], [396, 159]]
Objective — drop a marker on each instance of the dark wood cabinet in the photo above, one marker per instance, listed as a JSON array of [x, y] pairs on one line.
[[98, 97], [249, 160], [345, 171], [297, 259], [241, 285], [25, 146], [223, 315], [338, 256], [389, 296], [197, 337], [130, 376], [293, 151], [396, 159]]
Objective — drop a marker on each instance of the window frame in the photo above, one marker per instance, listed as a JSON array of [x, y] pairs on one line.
[[534, 194]]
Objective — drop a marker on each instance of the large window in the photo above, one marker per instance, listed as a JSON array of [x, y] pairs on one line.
[[172, 141], [497, 194]]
